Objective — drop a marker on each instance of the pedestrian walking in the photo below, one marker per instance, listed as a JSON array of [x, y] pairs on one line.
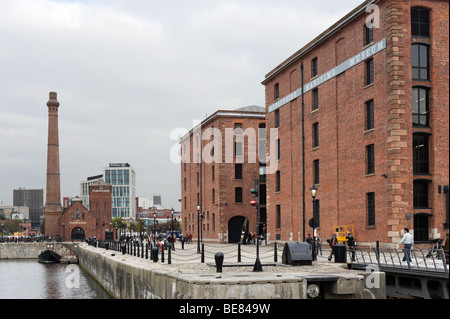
[[332, 242], [408, 242], [319, 244], [351, 244]]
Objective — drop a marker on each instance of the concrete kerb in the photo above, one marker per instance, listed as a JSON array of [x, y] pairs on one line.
[[135, 277]]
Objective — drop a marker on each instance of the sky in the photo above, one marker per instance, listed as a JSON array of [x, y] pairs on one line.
[[130, 72]]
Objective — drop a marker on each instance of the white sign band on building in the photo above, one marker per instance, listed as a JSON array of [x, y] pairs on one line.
[[360, 57]]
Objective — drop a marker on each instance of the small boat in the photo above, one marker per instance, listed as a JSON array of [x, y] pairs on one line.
[[49, 257]]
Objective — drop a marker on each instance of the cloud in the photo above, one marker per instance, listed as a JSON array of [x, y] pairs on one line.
[[128, 72]]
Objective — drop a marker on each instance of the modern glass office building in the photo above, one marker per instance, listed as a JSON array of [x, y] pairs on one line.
[[122, 177]]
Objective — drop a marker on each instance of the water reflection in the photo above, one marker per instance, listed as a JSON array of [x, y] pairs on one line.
[[28, 279]]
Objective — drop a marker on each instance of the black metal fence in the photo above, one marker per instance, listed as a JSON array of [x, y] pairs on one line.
[[189, 253]]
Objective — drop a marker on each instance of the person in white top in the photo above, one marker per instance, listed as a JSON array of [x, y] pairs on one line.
[[408, 242]]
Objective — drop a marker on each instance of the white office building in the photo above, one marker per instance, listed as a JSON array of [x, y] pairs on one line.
[[122, 177]]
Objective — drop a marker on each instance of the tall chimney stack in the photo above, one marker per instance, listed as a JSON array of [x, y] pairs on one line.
[[53, 209]]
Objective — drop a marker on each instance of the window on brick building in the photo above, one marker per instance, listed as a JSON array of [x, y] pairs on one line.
[[421, 193], [368, 35], [278, 142], [315, 101], [420, 106], [316, 172], [278, 217], [238, 194], [420, 62], [277, 118], [420, 22], [316, 212], [278, 182], [276, 91], [420, 154], [369, 115], [370, 204], [238, 171], [369, 72], [213, 196], [316, 135], [370, 159], [314, 67], [213, 173]]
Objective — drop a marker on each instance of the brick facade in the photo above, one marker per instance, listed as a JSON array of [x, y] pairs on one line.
[[344, 140], [53, 209], [212, 183], [93, 222]]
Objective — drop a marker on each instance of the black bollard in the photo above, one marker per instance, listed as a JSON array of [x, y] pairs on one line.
[[203, 253], [146, 251], [169, 256], [275, 253], [219, 261], [239, 252]]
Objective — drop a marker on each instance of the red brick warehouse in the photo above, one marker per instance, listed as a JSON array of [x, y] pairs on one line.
[[217, 172], [376, 126]]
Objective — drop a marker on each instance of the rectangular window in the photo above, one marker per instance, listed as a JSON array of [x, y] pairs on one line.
[[278, 149], [420, 62], [316, 172], [420, 154], [420, 106], [420, 22], [238, 171], [278, 220], [278, 182], [277, 118], [276, 91], [213, 173], [369, 72], [420, 194], [314, 68], [238, 149], [370, 159], [316, 135], [315, 102], [369, 115], [368, 35], [238, 194], [316, 212], [213, 196], [370, 197]]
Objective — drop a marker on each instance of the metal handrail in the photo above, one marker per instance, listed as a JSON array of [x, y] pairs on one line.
[[394, 258]]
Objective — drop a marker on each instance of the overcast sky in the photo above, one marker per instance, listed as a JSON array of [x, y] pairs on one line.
[[128, 72]]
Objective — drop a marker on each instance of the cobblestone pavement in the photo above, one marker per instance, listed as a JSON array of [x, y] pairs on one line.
[[188, 260]]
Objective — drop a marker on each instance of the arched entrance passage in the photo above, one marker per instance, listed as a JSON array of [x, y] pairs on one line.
[[78, 234], [236, 225]]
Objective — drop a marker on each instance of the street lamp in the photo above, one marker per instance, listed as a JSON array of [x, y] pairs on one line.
[[198, 228], [314, 190], [64, 231], [173, 237], [154, 225]]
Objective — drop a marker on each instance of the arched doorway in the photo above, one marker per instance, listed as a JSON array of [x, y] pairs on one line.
[[78, 234], [236, 225]]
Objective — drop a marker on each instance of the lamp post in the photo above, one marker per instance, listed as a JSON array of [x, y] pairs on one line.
[[154, 225], [64, 231], [314, 190], [173, 236], [198, 228]]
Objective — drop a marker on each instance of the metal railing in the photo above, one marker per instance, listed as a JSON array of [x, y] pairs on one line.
[[419, 259]]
